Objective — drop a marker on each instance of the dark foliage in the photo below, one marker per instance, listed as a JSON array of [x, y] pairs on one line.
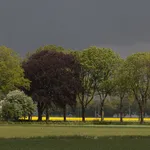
[[54, 79]]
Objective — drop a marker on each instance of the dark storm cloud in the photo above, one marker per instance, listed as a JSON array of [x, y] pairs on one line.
[[123, 25]]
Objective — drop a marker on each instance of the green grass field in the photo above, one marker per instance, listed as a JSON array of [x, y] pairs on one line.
[[37, 137], [104, 143]]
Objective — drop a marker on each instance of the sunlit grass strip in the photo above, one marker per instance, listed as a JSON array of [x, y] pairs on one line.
[[89, 119]]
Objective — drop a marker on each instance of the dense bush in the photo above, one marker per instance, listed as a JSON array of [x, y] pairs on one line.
[[16, 104]]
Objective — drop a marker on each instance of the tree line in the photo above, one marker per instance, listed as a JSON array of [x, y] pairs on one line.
[[52, 77]]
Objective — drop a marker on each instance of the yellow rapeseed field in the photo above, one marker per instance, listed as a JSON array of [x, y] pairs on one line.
[[90, 119]]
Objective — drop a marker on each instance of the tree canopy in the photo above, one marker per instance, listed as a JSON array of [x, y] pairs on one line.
[[137, 68], [11, 73], [54, 78], [57, 78], [104, 63], [16, 104]]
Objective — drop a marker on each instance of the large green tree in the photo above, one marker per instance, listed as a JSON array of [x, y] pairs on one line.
[[138, 74], [105, 63], [122, 89], [87, 89], [11, 73]]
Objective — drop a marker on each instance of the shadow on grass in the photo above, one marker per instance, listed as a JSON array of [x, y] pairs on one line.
[[77, 143], [78, 137]]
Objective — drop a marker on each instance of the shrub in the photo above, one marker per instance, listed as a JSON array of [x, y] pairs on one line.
[[15, 105]]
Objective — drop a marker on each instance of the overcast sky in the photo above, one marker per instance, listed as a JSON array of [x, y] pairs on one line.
[[123, 25]]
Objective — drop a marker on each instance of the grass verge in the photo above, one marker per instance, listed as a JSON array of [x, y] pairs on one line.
[[27, 131]]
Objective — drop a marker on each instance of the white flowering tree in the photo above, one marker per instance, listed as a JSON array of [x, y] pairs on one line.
[[16, 104]]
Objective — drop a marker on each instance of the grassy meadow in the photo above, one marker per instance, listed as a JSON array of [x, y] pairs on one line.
[[45, 137], [28, 131]]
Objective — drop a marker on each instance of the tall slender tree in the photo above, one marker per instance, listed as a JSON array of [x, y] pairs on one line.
[[104, 63], [87, 80], [122, 89]]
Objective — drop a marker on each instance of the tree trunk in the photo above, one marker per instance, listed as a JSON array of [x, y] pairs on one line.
[[129, 110], [39, 116], [141, 114], [29, 117], [47, 114], [121, 111], [64, 111], [83, 113], [102, 111], [144, 114], [40, 111]]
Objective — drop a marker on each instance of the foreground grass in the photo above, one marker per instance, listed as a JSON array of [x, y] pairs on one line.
[[28, 131], [102, 143], [45, 137]]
